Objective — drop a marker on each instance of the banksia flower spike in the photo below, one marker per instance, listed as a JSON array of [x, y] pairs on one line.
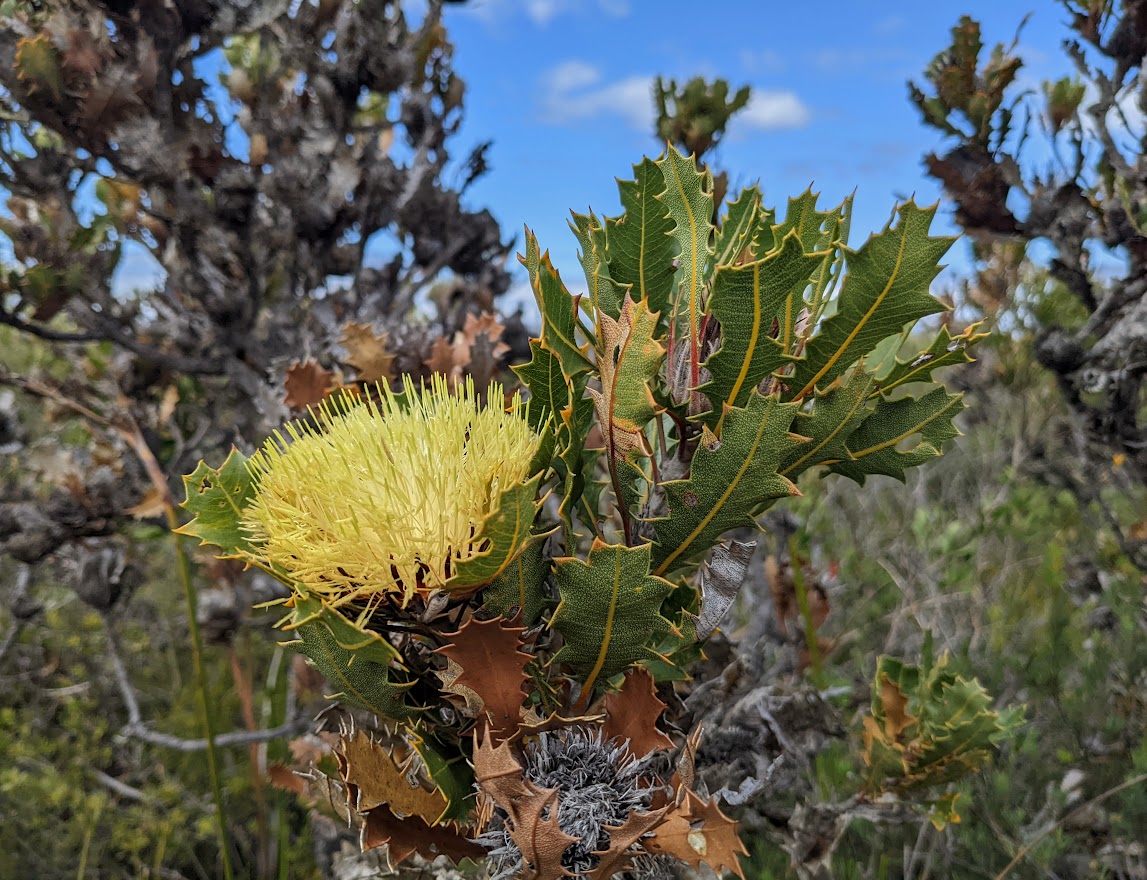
[[371, 499]]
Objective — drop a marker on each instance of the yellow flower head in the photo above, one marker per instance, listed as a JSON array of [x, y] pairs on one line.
[[388, 497]]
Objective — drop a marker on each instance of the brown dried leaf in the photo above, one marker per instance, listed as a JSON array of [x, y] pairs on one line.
[[488, 326], [676, 837], [895, 703], [306, 384], [722, 844], [153, 503], [632, 713], [686, 770], [499, 775], [412, 835], [621, 838], [449, 358], [367, 352], [374, 778], [493, 667]]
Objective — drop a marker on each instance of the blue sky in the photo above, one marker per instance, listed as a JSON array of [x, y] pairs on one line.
[[563, 89]]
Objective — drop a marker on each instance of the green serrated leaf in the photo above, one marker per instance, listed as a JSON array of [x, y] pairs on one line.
[[730, 477], [944, 351], [356, 661], [610, 607], [604, 293], [737, 227], [689, 198], [875, 446], [835, 415], [628, 360], [215, 499], [558, 308], [641, 246], [746, 300], [522, 584], [549, 389], [506, 528], [929, 726], [454, 776], [886, 287]]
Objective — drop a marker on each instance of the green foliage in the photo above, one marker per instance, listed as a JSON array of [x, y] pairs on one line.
[[610, 605], [928, 727], [215, 499]]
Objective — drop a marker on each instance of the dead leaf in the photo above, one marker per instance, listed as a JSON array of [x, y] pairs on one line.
[[895, 704], [722, 844], [632, 713], [494, 667], [367, 352], [676, 837], [373, 778], [686, 771], [621, 838], [499, 775], [307, 383], [449, 358], [486, 325], [404, 837], [152, 504]]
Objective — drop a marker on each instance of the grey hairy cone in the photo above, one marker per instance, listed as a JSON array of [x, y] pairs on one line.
[[598, 784]]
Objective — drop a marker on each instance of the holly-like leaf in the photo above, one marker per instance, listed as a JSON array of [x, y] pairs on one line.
[[929, 727], [877, 445], [721, 844], [448, 357], [747, 301], [358, 662], [835, 414], [367, 352], [689, 198], [640, 243], [676, 837], [450, 773], [737, 227], [521, 585], [499, 776], [550, 390], [610, 606], [605, 294], [621, 837], [374, 778], [628, 361], [944, 351], [306, 384], [404, 837], [730, 478], [885, 288], [215, 499], [505, 531], [558, 308], [494, 667], [631, 714]]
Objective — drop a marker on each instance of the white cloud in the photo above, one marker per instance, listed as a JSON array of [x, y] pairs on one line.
[[769, 109], [572, 75], [573, 91], [762, 60], [540, 12]]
